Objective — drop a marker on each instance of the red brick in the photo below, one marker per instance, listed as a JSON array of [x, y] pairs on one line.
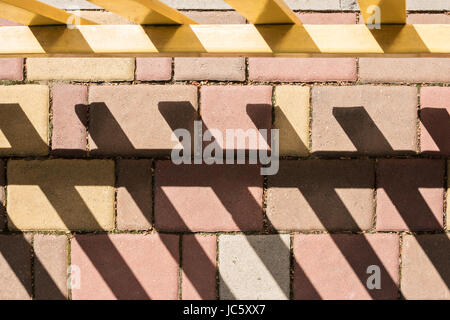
[[404, 70], [11, 69], [435, 120], [153, 69], [364, 120], [208, 198], [134, 194], [410, 195], [15, 267], [69, 135], [50, 267], [237, 107], [139, 120], [199, 267], [335, 266], [328, 195], [126, 266], [307, 69]]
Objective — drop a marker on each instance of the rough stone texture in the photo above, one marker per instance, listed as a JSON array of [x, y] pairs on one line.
[[208, 198], [254, 267], [328, 195], [364, 120], [435, 120], [24, 120], [69, 120], [334, 267], [425, 267], [199, 267], [292, 111], [61, 195], [415, 70], [50, 267], [15, 267], [410, 195], [11, 69], [134, 194], [126, 266], [139, 120], [221, 69], [80, 69], [153, 69], [237, 107]]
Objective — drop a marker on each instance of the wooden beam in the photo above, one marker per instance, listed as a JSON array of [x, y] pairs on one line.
[[265, 11], [226, 40], [152, 12], [383, 11], [35, 13]]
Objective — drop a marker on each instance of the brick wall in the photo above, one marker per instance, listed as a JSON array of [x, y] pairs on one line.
[[86, 180]]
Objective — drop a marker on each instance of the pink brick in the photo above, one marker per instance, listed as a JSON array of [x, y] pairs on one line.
[[216, 17], [69, 119], [307, 69], [435, 120], [335, 266], [410, 195], [126, 266], [11, 69], [208, 198], [426, 18], [134, 194], [199, 267], [237, 107], [50, 267], [153, 69], [4, 22], [15, 267]]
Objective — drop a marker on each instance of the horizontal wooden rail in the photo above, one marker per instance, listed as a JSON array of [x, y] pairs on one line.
[[226, 40]]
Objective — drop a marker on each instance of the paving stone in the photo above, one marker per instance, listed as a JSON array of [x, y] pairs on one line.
[[254, 267], [69, 119], [336, 267], [237, 107], [425, 267], [15, 267], [60, 195], [404, 70], [435, 120], [199, 267], [427, 18], [327, 195], [153, 69], [208, 198], [216, 17], [364, 120], [102, 17], [50, 267], [126, 266], [11, 68], [134, 194], [410, 195], [292, 112], [81, 69], [141, 118], [24, 120]]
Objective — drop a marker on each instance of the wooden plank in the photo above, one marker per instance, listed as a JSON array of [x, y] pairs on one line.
[[226, 40], [153, 12], [265, 11], [35, 13], [383, 11]]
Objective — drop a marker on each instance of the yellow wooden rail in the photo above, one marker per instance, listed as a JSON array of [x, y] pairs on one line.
[[276, 31]]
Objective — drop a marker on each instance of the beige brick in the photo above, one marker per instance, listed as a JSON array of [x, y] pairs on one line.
[[292, 119], [81, 69], [24, 120], [103, 17], [60, 195]]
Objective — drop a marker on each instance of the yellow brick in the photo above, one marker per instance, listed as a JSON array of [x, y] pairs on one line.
[[81, 69], [292, 119], [60, 195], [24, 119]]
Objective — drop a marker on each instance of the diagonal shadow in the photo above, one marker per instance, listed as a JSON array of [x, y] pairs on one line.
[[437, 124]]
